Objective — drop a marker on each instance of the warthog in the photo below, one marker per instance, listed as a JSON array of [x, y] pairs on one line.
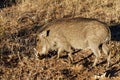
[[71, 34]]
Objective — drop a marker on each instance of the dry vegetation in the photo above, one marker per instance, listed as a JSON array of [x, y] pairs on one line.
[[20, 22]]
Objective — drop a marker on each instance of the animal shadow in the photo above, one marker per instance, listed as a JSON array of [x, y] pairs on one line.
[[112, 72], [115, 32]]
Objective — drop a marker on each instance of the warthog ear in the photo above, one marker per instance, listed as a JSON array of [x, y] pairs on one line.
[[45, 33], [48, 31]]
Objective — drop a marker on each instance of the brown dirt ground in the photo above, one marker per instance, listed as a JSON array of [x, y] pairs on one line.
[[18, 27]]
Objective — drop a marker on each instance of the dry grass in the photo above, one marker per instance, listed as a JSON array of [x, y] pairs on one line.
[[104, 10], [19, 23], [45, 10]]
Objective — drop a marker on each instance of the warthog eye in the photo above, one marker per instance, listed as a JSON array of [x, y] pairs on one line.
[[37, 39]]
